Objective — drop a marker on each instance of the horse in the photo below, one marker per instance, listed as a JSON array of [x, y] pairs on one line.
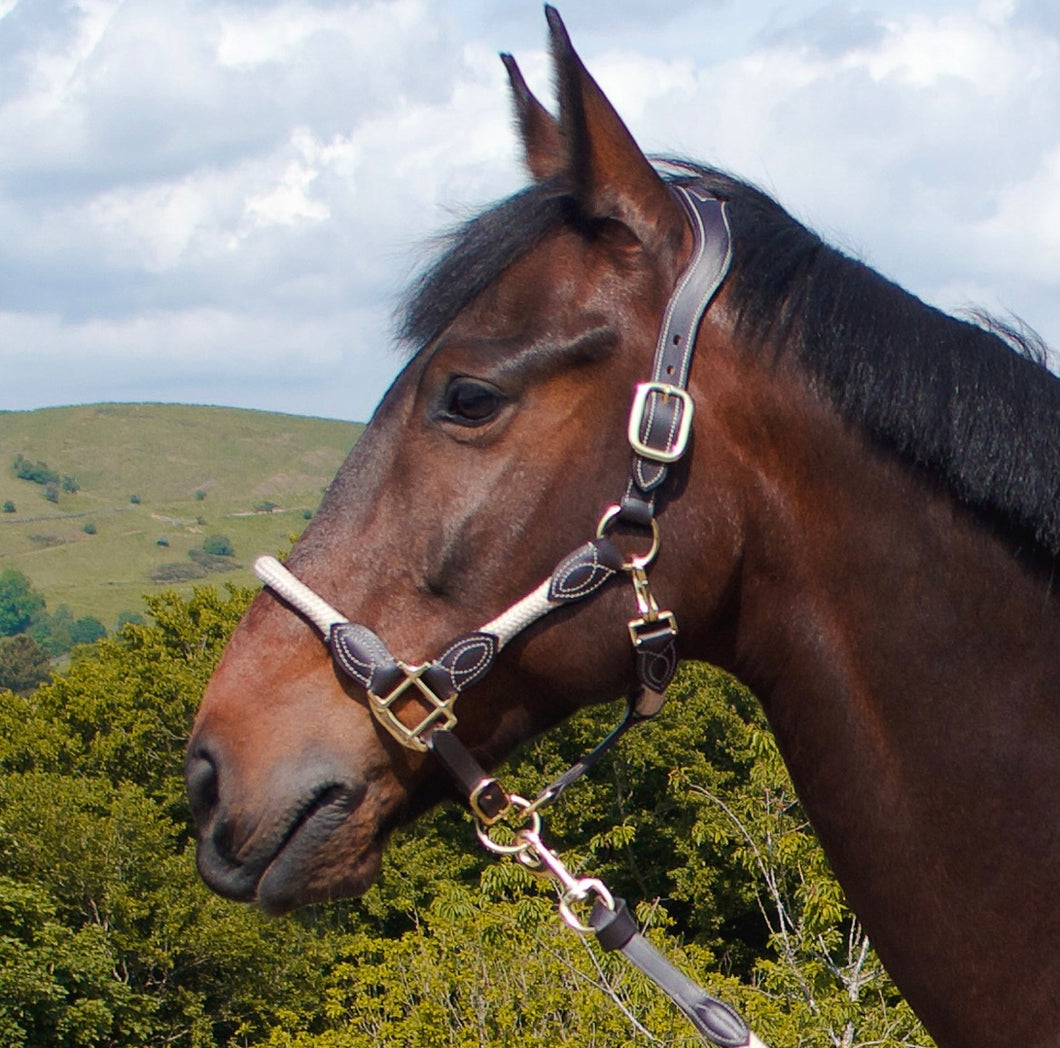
[[862, 524]]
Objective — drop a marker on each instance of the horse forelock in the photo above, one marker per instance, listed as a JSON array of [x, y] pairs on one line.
[[968, 401]]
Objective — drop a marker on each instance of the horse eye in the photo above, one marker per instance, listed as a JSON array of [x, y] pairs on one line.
[[471, 403]]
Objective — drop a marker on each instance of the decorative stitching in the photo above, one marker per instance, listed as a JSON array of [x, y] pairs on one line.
[[579, 575], [483, 643]]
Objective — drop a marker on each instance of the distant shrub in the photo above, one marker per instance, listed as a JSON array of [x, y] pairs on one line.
[[70, 485], [218, 546], [35, 472], [89, 528], [265, 507], [212, 561], [200, 495], [163, 541], [180, 572], [307, 514], [129, 618], [134, 499], [9, 506], [51, 491]]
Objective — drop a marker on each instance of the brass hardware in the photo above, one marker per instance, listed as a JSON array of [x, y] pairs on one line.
[[634, 562], [676, 449], [441, 713]]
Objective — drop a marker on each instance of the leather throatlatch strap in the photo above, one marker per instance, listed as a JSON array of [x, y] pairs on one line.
[[617, 930]]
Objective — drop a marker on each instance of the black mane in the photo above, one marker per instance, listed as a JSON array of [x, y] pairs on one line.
[[970, 403]]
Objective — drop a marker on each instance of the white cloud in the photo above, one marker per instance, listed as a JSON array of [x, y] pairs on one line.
[[194, 184]]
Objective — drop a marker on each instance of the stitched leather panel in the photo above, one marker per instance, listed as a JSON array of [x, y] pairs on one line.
[[468, 658], [656, 659], [363, 656], [584, 571]]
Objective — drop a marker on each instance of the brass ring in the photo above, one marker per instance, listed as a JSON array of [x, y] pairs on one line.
[[645, 559]]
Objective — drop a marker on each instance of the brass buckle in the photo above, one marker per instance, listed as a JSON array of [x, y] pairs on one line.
[[676, 449], [662, 621], [482, 798], [440, 713]]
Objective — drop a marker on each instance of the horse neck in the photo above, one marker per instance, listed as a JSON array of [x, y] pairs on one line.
[[906, 660]]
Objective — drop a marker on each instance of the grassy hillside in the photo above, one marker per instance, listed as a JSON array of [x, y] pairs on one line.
[[154, 481]]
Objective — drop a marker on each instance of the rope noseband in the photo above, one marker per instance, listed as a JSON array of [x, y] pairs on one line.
[[659, 426]]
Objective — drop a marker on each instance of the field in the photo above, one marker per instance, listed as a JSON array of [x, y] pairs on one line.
[[153, 482]]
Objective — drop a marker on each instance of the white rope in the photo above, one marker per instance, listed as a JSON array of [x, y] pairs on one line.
[[505, 626], [520, 615], [298, 594]]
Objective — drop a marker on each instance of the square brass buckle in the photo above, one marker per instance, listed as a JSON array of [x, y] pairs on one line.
[[440, 711], [676, 448]]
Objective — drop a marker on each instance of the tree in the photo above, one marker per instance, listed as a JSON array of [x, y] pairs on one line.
[[23, 663], [87, 630], [20, 605], [107, 936]]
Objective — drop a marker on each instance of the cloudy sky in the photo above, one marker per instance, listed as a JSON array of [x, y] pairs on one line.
[[219, 202]]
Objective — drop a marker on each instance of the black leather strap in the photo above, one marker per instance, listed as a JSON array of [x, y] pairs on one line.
[[484, 795], [662, 414], [617, 930]]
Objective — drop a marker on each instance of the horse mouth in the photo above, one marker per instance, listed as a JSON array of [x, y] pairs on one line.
[[325, 850]]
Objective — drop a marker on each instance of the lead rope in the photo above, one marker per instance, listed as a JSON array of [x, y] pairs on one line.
[[610, 920]]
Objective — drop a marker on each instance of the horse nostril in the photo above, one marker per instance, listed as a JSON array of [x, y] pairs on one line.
[[200, 777]]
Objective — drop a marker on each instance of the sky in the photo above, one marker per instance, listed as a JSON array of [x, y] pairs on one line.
[[221, 202]]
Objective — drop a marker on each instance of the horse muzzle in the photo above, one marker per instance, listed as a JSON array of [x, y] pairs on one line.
[[306, 838]]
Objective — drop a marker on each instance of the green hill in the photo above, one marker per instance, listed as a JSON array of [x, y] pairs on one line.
[[153, 481]]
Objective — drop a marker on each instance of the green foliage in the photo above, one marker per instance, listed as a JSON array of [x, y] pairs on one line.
[[58, 632], [20, 604], [107, 937], [9, 506]]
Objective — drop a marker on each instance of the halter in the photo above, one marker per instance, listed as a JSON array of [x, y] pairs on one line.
[[660, 423]]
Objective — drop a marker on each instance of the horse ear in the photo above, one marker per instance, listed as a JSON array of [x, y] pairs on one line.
[[542, 141], [609, 174]]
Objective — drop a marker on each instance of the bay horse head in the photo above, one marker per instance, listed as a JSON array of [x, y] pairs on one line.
[[862, 524], [494, 454]]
